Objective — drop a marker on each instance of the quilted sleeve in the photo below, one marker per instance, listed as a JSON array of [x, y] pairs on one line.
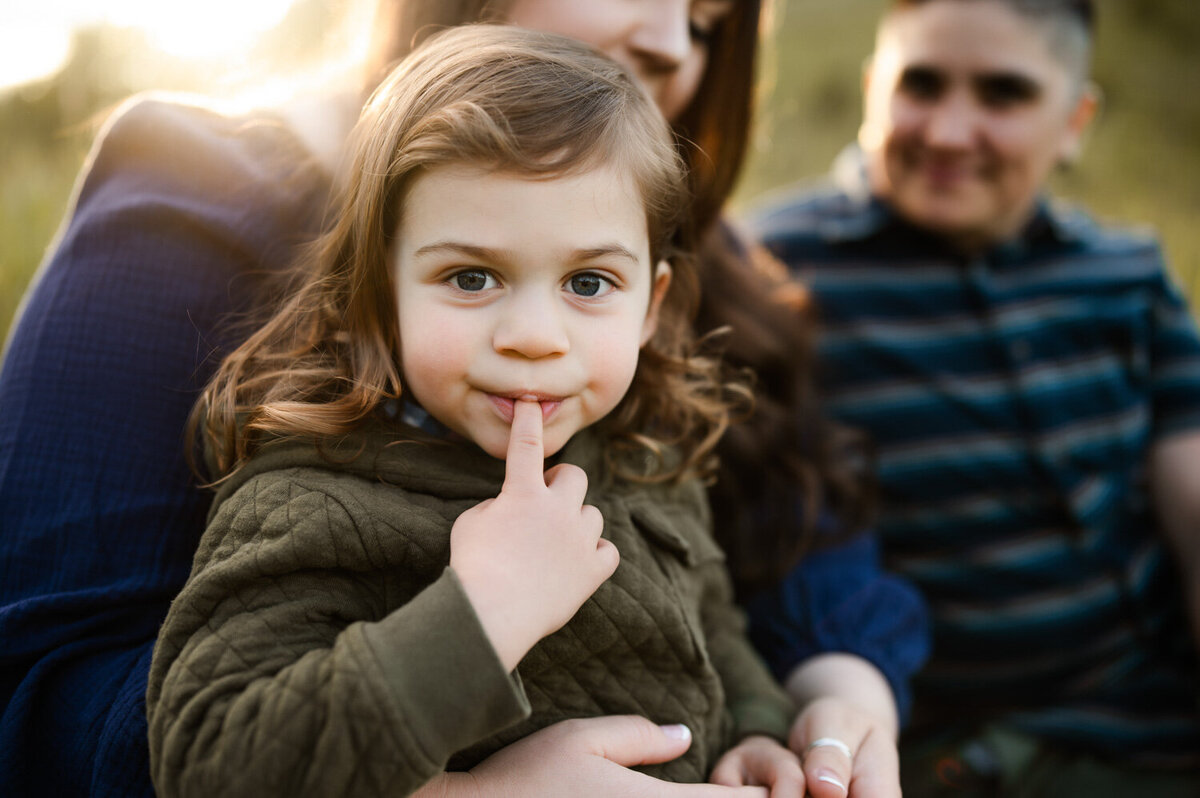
[[279, 670], [756, 702]]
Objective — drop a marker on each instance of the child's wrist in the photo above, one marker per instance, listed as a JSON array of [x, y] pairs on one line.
[[507, 632]]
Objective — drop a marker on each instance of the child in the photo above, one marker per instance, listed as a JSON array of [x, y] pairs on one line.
[[385, 549]]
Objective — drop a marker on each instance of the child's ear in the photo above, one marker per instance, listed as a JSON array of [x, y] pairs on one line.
[[662, 281]]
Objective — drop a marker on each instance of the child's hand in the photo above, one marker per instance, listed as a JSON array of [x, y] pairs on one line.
[[869, 767], [760, 761], [530, 557]]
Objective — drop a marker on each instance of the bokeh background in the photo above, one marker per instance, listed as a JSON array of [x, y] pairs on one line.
[[1141, 166]]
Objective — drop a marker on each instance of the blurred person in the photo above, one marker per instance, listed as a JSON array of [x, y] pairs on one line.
[[182, 222], [1031, 380]]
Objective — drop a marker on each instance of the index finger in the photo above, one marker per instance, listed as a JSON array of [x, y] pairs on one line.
[[526, 457]]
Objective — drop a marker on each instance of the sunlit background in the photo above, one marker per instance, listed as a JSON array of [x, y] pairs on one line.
[[35, 37], [65, 63]]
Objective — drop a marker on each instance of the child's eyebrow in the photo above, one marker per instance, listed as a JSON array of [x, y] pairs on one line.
[[592, 253], [488, 254], [457, 248]]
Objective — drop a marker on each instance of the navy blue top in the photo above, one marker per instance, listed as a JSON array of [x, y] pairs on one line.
[[177, 211], [839, 598], [1013, 397], [179, 214]]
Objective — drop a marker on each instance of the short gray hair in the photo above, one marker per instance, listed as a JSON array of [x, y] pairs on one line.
[[1069, 25]]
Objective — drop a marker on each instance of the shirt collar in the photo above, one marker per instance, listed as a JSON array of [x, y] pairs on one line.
[[408, 411]]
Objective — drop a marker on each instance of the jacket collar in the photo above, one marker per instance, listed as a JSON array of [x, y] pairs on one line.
[[382, 449]]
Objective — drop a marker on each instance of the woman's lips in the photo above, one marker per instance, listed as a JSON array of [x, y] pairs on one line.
[[504, 405]]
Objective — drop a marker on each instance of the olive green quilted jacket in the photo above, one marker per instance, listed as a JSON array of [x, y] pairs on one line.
[[323, 647]]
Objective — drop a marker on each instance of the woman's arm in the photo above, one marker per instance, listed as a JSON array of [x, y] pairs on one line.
[[1175, 481], [176, 213], [838, 599], [845, 698], [849, 679], [1174, 457], [844, 637]]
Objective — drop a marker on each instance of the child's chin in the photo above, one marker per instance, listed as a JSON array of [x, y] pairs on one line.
[[498, 452], [499, 449]]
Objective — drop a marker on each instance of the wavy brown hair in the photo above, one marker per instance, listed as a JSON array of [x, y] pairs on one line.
[[787, 455], [499, 98], [788, 469]]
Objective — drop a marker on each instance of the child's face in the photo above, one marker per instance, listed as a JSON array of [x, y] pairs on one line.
[[509, 287]]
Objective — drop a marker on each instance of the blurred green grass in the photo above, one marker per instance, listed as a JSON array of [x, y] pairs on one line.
[[1142, 164], [33, 195]]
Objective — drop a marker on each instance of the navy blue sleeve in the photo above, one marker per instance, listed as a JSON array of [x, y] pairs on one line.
[[176, 217], [838, 599]]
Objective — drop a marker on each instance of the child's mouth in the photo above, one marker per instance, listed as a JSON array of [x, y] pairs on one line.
[[504, 405]]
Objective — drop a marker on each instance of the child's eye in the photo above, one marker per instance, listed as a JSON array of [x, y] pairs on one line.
[[589, 284], [473, 280]]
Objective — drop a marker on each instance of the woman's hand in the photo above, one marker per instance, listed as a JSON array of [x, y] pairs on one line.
[[586, 758], [845, 735], [869, 766], [761, 761]]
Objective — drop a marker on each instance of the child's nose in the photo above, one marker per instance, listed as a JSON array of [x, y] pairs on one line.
[[531, 326]]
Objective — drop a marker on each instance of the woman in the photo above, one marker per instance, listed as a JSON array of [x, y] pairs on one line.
[[179, 221]]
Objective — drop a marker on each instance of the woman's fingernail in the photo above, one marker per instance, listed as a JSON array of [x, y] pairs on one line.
[[677, 731], [825, 777]]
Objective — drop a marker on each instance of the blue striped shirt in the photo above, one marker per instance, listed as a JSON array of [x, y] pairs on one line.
[[1012, 398]]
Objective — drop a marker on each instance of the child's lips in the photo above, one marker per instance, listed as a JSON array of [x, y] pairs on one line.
[[504, 404]]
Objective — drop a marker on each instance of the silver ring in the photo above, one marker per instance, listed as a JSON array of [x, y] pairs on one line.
[[830, 742]]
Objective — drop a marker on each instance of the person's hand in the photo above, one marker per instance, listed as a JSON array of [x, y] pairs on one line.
[[869, 767], [530, 557], [585, 758], [761, 761]]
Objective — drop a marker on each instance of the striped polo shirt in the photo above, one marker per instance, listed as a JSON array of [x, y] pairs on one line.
[[1012, 398]]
